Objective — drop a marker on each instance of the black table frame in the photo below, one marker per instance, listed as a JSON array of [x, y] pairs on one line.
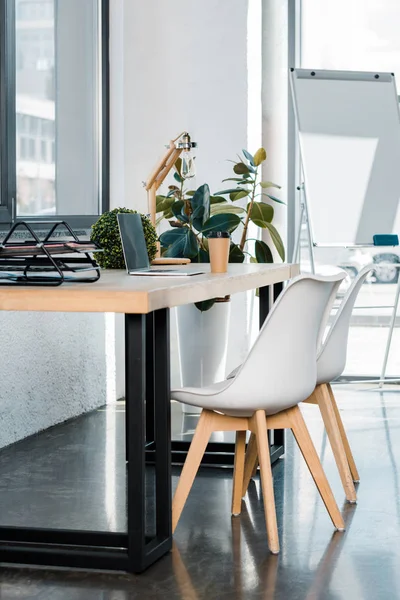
[[148, 422]]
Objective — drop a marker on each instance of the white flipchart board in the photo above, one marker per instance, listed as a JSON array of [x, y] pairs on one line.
[[349, 134]]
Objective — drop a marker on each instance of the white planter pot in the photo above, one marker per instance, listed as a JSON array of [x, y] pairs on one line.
[[202, 345]]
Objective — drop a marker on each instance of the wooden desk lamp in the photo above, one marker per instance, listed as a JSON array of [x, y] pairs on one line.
[[162, 169], [179, 147]]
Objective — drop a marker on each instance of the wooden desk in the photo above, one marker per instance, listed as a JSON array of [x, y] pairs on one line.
[[145, 301]]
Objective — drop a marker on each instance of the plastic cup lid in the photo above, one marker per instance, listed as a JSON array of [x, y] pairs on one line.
[[218, 234]]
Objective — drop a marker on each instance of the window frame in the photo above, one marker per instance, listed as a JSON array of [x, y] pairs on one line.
[[8, 158]]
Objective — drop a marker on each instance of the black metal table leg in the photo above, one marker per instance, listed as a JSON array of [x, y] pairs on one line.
[[149, 324], [139, 346], [277, 437]]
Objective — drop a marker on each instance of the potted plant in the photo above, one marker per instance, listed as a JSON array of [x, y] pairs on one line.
[[250, 188], [192, 215], [106, 233]]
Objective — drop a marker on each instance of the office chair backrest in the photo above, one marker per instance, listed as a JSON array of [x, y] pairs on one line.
[[280, 370], [331, 359]]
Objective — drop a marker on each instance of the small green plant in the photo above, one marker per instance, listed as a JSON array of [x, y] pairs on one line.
[[105, 232], [193, 214], [261, 213]]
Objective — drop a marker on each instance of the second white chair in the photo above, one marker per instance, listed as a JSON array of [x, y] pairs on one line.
[[331, 361], [279, 373]]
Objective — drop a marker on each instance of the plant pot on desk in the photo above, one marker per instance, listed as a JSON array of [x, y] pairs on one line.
[[202, 345]]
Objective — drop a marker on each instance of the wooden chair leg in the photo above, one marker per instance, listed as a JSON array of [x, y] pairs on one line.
[[347, 449], [251, 462], [238, 472], [310, 455], [259, 426], [254, 473], [192, 463], [332, 429]]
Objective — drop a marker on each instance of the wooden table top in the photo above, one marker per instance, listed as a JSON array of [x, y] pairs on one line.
[[118, 292]]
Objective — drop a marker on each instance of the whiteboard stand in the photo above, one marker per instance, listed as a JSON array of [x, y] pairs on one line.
[[339, 115], [390, 335], [311, 246], [304, 218]]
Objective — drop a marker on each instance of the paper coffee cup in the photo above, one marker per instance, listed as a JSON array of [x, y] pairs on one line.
[[218, 246]]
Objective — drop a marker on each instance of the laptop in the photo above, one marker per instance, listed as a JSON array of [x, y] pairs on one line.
[[135, 250]]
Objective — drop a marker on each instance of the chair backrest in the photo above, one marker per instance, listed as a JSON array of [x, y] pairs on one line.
[[280, 370], [331, 359]]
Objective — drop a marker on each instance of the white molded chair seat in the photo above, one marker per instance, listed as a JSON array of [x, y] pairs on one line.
[[279, 373]]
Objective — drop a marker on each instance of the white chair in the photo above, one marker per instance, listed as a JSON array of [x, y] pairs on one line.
[[331, 361], [279, 373]]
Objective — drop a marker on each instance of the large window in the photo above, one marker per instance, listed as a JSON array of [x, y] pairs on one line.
[[358, 35], [54, 109]]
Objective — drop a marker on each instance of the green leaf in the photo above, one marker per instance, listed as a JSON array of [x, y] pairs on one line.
[[274, 199], [217, 200], [178, 178], [185, 246], [163, 203], [261, 214], [176, 207], [228, 222], [233, 179], [240, 168], [259, 157], [177, 211], [269, 184], [203, 256], [276, 238], [229, 191], [190, 193], [239, 195], [201, 206], [173, 192], [205, 304], [253, 259], [263, 252], [243, 181], [249, 157], [235, 254], [217, 209], [169, 237]]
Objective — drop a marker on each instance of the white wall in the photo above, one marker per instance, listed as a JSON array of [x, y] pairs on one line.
[[185, 68], [53, 368]]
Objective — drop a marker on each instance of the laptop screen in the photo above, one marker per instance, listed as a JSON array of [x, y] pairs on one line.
[[133, 242]]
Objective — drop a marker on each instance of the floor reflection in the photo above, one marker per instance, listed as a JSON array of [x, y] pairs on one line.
[[216, 557], [262, 579]]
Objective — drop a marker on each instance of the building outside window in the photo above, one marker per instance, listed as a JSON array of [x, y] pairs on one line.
[[60, 110]]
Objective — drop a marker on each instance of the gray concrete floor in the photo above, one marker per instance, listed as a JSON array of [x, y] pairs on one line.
[[73, 476]]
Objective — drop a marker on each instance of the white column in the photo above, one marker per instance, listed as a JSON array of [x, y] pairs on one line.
[[275, 104]]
